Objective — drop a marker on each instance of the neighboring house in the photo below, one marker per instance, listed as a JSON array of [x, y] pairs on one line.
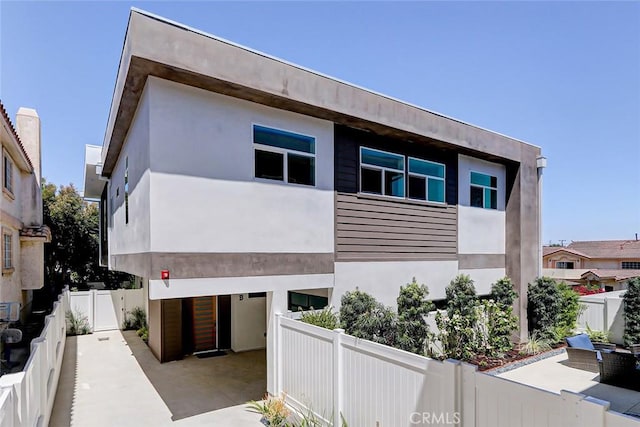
[[23, 233], [608, 264], [238, 186]]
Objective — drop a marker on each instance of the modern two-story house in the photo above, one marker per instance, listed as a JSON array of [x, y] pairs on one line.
[[238, 185], [22, 228]]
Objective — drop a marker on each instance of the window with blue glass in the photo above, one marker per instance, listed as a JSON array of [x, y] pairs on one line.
[[284, 156], [381, 172], [484, 191], [426, 180]]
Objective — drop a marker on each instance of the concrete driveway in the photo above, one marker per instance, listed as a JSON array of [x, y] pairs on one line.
[[112, 379]]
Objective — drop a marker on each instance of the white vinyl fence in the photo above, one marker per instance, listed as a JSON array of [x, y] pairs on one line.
[[106, 309], [603, 312], [334, 375], [26, 398]]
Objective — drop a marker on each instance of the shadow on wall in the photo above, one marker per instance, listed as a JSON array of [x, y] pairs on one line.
[[193, 386]]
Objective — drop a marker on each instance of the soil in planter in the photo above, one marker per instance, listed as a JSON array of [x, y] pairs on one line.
[[485, 363]]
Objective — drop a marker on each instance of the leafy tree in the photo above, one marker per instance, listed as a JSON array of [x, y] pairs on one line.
[[543, 306], [72, 256], [413, 306], [631, 300], [362, 316], [502, 292], [569, 311], [458, 330]]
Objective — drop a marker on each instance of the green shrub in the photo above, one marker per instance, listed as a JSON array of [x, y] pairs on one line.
[[597, 336], [77, 323], [325, 318], [570, 309], [553, 309], [413, 306], [502, 292], [135, 319], [500, 324], [362, 316], [631, 300], [544, 305], [535, 345], [458, 330], [143, 333]]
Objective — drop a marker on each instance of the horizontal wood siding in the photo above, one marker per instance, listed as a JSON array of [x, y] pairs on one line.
[[368, 229]]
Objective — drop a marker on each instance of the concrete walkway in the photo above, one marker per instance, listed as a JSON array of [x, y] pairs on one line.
[[102, 384]]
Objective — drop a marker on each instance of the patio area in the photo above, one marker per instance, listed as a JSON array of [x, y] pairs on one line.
[[553, 374], [111, 378]]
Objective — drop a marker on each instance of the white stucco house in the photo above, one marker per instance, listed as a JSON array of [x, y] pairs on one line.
[[238, 185], [22, 228]]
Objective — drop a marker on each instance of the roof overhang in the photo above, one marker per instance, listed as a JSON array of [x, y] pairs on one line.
[[11, 142], [93, 181], [158, 47]]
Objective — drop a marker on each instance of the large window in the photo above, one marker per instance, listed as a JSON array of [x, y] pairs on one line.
[[381, 172], [631, 265], [7, 169], [7, 251], [385, 173], [484, 191], [426, 180], [284, 156]]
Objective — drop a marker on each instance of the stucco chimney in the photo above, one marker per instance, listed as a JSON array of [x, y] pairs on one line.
[[28, 128]]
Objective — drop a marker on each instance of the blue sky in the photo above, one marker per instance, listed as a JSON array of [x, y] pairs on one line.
[[564, 76]]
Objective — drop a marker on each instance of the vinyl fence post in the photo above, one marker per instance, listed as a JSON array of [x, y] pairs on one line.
[[337, 376]]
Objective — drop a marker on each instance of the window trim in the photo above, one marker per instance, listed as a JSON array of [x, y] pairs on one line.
[[7, 269], [126, 190], [285, 158], [483, 187], [383, 170], [427, 177], [5, 189]]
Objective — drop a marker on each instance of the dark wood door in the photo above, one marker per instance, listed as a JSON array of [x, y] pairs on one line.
[[224, 321], [204, 323]]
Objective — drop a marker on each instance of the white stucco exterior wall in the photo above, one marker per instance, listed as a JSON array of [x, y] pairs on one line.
[[248, 322], [480, 231], [383, 279], [132, 237], [483, 278], [204, 197]]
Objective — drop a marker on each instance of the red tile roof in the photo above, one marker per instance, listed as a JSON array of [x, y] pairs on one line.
[[613, 274], [608, 248], [6, 118]]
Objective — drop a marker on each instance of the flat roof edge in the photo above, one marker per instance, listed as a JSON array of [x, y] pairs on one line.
[[320, 74]]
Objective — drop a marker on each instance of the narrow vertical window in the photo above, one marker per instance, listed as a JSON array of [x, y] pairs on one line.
[[7, 174], [7, 252], [484, 191], [126, 190]]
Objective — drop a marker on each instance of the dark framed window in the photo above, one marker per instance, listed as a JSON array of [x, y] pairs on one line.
[[7, 169], [426, 180], [302, 302], [566, 265], [381, 172], [631, 265], [483, 191], [284, 156]]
